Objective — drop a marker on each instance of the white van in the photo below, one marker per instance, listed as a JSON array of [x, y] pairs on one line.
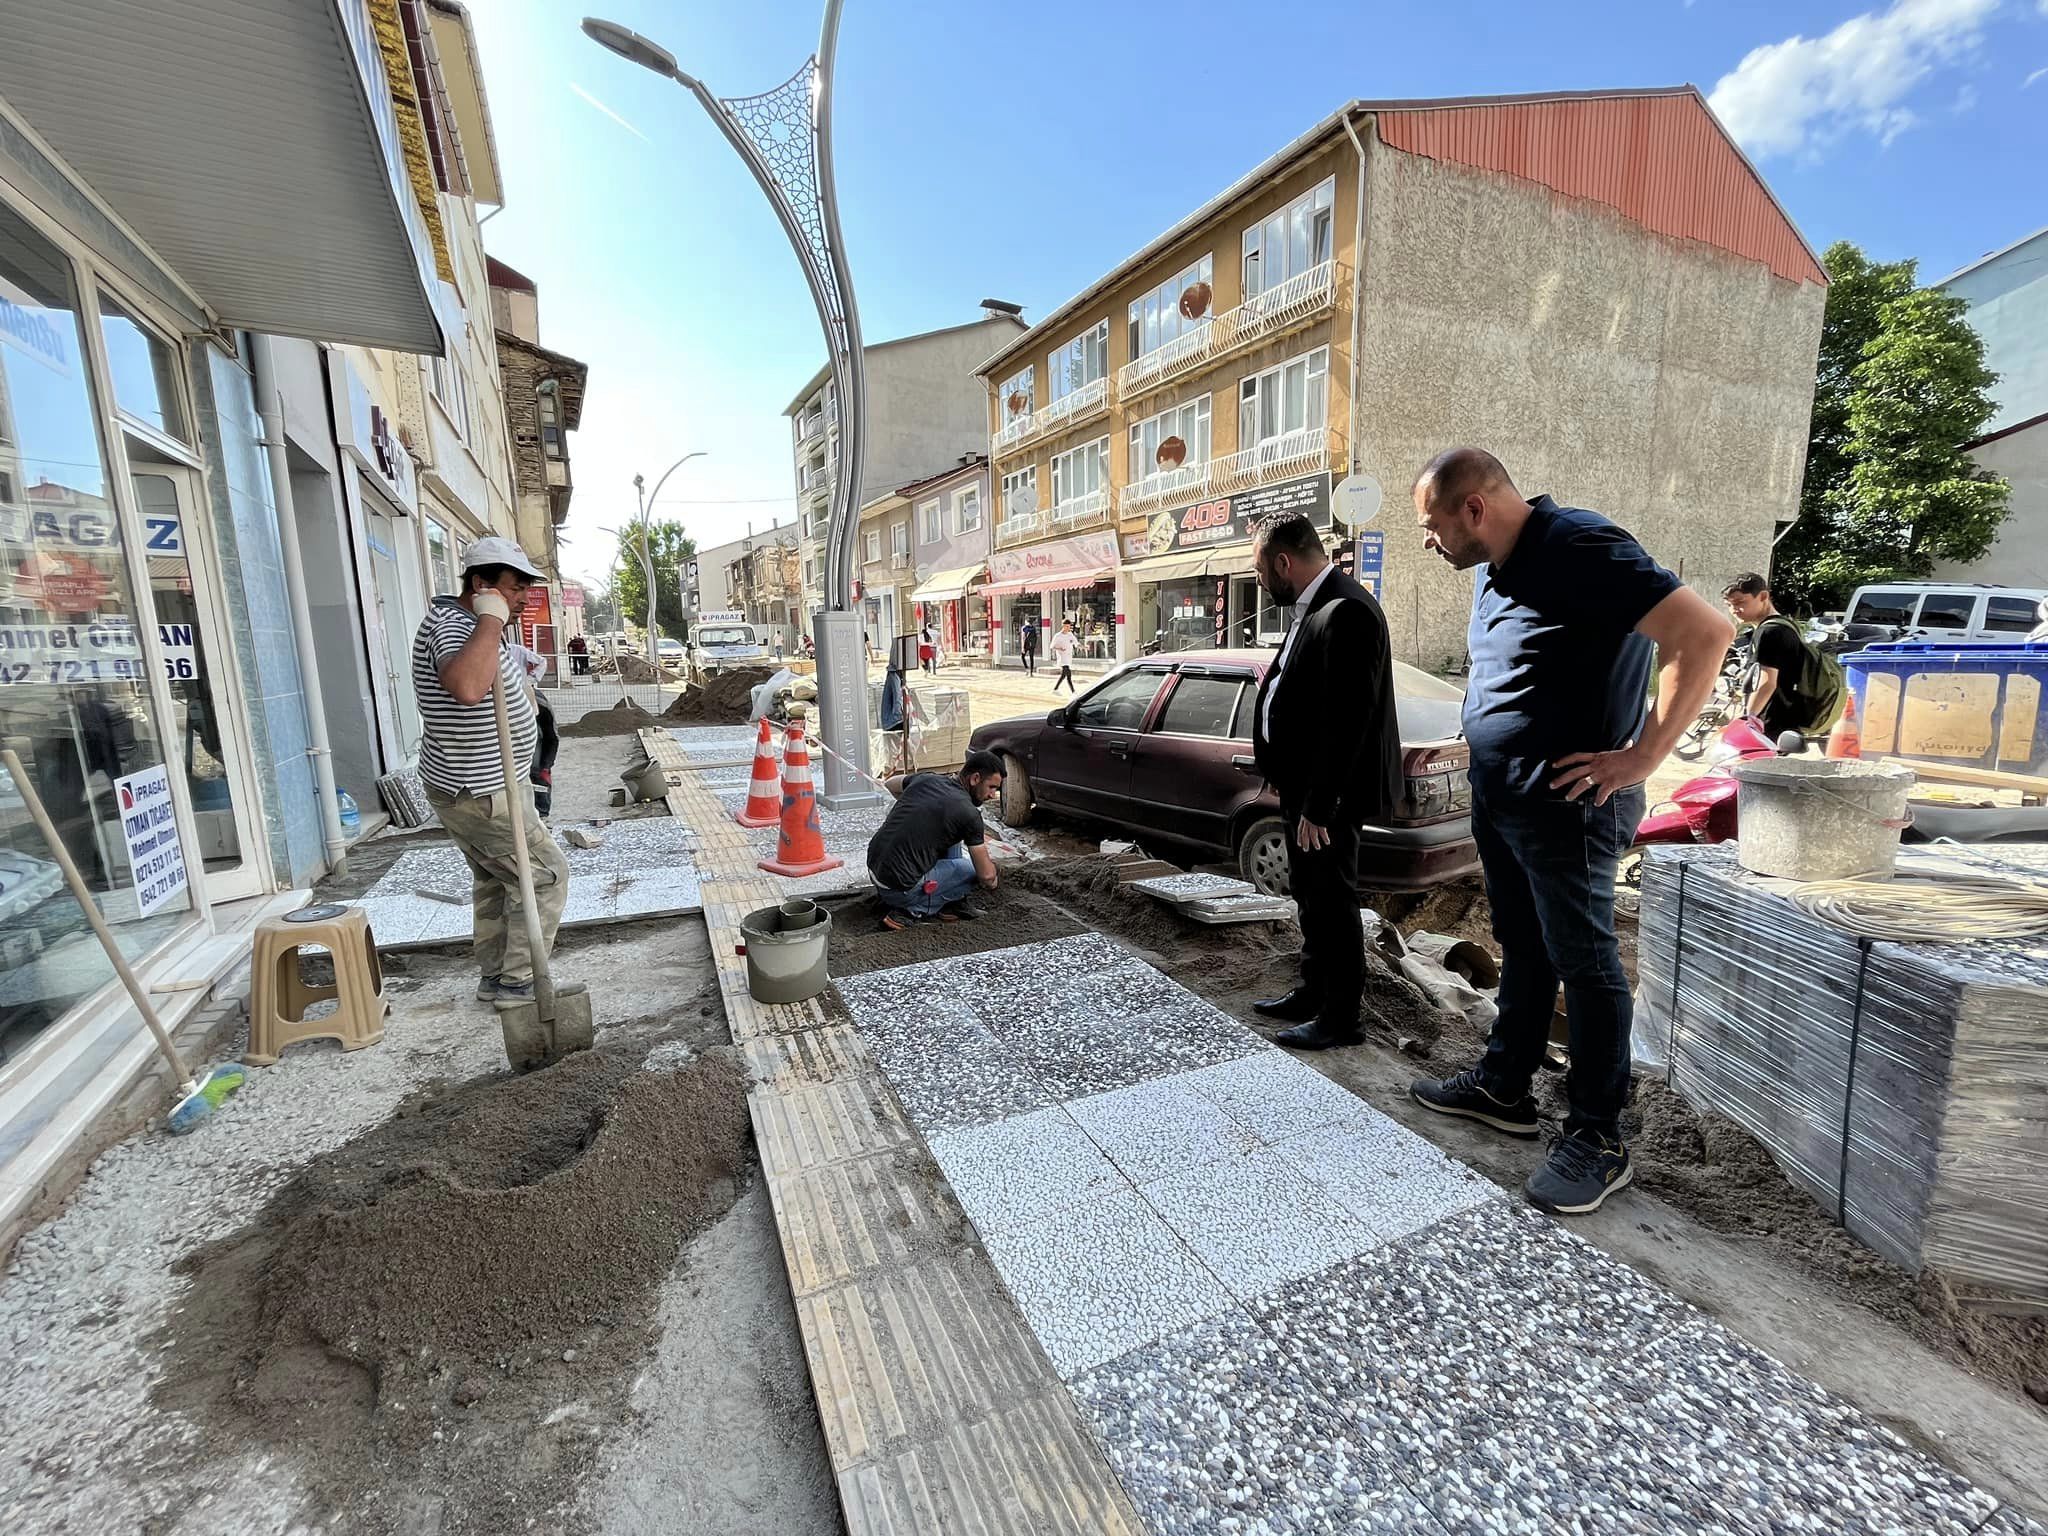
[[1953, 610]]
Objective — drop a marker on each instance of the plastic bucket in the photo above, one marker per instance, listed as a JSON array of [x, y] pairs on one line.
[[786, 964], [1816, 818]]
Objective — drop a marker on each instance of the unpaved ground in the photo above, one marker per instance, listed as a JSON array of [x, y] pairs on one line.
[[726, 699]]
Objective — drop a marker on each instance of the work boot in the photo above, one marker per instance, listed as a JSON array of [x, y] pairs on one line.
[[486, 988], [511, 994], [1466, 1095], [1583, 1169], [1297, 1007]]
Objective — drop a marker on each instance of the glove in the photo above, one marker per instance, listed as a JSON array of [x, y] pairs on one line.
[[493, 605]]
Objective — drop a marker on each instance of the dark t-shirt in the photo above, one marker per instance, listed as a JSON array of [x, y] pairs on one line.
[[1803, 698], [932, 814], [1557, 666]]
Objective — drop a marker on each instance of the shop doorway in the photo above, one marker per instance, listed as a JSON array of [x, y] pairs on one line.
[[1255, 619], [203, 734]]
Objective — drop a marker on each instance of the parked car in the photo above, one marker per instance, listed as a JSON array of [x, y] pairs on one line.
[[1162, 750], [670, 653], [1958, 611]]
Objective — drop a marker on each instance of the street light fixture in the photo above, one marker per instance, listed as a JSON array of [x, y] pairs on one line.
[[647, 555], [784, 137]]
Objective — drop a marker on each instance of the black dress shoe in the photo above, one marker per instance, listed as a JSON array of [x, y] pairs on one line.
[[1318, 1036], [1297, 1007]]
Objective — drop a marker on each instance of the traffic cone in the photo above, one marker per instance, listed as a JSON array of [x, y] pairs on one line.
[[1846, 739], [764, 790], [800, 849]]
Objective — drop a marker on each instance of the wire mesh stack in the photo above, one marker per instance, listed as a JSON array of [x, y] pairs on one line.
[[1904, 1085]]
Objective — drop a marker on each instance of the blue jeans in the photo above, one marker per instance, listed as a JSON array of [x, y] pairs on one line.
[[1550, 868], [943, 884]]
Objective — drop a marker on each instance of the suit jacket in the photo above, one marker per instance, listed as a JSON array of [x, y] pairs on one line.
[[1335, 748]]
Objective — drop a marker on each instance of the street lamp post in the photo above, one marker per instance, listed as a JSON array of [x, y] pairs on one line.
[[784, 136]]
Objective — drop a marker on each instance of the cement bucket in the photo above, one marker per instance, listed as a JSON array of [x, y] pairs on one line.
[[1821, 818], [786, 952]]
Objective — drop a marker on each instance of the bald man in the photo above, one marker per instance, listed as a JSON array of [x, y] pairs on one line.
[[1567, 612]]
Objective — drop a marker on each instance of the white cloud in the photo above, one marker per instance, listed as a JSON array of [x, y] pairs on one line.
[[608, 112], [1966, 99], [1807, 91], [2037, 74]]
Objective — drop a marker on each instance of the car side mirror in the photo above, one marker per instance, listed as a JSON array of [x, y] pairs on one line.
[[1060, 719]]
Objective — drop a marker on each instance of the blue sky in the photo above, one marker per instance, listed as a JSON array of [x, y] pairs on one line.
[[1913, 127]]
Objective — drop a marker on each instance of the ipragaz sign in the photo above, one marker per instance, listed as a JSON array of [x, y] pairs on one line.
[[150, 828]]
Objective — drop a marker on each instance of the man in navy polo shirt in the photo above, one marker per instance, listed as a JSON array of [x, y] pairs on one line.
[[1566, 614]]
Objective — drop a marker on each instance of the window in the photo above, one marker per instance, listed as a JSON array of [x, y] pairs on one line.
[[1284, 400], [1080, 362], [1883, 607], [451, 388], [932, 527], [871, 545], [967, 510], [1079, 474], [1241, 726], [551, 442], [1947, 610], [145, 372], [2011, 615], [1120, 703], [1188, 422], [1014, 397], [1290, 241], [899, 538], [1156, 319], [1020, 492], [438, 559], [1201, 706]]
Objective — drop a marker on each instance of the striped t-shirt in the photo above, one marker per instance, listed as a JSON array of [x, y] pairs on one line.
[[461, 746]]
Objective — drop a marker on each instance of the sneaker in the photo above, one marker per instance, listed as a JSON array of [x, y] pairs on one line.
[[896, 921], [1583, 1169], [1466, 1095], [510, 993], [486, 988]]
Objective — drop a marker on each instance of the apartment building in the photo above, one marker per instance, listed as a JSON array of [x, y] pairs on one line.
[[884, 575], [924, 407], [949, 535], [1597, 286], [756, 576]]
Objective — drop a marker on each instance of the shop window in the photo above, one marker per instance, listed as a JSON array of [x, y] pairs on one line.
[[74, 700], [1159, 317], [145, 373], [1290, 241]]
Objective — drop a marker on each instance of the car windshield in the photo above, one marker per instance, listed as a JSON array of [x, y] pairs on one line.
[[726, 634]]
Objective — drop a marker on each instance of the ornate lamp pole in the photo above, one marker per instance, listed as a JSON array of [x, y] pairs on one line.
[[785, 138]]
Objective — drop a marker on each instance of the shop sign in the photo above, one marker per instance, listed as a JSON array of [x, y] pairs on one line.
[[1372, 562], [572, 595], [66, 584], [180, 646], [54, 654], [363, 430], [150, 829], [70, 528], [1136, 546], [25, 325], [1226, 519], [1080, 555]]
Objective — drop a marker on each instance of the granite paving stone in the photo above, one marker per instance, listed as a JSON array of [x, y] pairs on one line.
[[593, 899], [1386, 1175], [956, 1074], [1214, 1429], [1160, 1127], [1098, 1278], [1275, 1097], [1011, 1172], [2010, 1522], [673, 889], [1256, 1222]]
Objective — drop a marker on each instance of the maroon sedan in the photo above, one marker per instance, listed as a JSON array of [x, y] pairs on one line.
[[1161, 749]]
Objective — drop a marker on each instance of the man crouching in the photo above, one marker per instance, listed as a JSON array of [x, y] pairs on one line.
[[933, 849]]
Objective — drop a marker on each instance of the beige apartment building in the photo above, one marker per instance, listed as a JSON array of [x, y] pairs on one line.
[[1599, 287]]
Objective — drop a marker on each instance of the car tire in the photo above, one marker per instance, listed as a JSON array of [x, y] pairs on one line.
[[1262, 856], [1014, 806]]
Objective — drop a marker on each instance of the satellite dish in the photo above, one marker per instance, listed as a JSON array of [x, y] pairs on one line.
[[1194, 300], [1356, 500], [1172, 451], [1019, 402]]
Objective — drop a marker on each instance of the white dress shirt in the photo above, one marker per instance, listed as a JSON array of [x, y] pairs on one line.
[[1301, 606]]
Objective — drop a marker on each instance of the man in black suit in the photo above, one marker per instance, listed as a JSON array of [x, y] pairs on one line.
[[1326, 739]]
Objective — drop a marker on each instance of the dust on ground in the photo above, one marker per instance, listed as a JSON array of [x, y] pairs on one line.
[[1010, 916], [436, 1319], [622, 719], [727, 698]]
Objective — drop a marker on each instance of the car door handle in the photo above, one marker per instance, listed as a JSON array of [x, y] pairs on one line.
[[1244, 760], [1119, 749]]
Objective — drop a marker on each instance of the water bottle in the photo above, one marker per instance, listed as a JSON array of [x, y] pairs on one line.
[[351, 817]]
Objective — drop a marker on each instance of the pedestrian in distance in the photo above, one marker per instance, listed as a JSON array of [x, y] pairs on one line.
[[1325, 736], [928, 651], [1027, 646], [932, 850], [550, 747], [1797, 688], [463, 646], [1063, 656], [1567, 612]]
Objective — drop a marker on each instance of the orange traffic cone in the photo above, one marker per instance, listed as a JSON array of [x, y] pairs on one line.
[[764, 792], [1846, 739], [800, 849]]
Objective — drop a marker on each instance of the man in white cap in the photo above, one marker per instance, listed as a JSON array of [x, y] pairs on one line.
[[465, 644]]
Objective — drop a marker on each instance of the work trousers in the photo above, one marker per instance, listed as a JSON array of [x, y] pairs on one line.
[[1550, 867], [481, 826], [1324, 884], [943, 884]]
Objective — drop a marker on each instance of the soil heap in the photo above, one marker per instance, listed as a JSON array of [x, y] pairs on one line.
[[724, 699]]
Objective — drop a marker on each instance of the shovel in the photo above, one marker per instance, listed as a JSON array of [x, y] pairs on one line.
[[542, 1032]]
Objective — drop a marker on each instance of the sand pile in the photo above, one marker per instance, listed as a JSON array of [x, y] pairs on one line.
[[622, 719], [726, 699]]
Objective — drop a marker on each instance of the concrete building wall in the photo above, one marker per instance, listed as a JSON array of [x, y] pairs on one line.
[[954, 549], [2020, 557], [1665, 384], [2008, 298], [714, 590]]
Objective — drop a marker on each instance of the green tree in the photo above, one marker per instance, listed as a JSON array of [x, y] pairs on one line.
[[1900, 387], [672, 549]]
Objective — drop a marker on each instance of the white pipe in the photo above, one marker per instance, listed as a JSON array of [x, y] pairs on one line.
[[270, 407], [1357, 285]]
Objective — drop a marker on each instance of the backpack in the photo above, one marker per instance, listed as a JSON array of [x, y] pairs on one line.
[[1820, 678]]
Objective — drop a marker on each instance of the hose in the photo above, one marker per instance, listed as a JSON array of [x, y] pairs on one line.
[[1952, 908]]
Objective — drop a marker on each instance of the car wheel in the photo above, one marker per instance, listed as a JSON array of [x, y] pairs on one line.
[[1262, 855], [1015, 804]]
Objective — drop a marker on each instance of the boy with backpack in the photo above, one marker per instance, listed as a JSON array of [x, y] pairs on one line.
[[1797, 688]]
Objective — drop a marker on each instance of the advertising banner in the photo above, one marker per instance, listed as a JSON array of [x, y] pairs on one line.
[[1227, 519]]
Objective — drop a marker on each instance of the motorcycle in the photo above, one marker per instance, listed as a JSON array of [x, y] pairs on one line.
[[1725, 703], [1702, 810]]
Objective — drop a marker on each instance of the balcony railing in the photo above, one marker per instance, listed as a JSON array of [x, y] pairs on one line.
[[1184, 482], [1082, 511], [1279, 309], [1071, 409], [1020, 528], [899, 559], [1278, 458]]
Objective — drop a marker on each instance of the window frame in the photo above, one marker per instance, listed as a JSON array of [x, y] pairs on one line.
[[931, 520], [1143, 465], [899, 537], [964, 498], [1061, 380], [1181, 680], [1025, 379], [1159, 307], [1318, 208], [1026, 477], [1098, 450], [1252, 391], [871, 546]]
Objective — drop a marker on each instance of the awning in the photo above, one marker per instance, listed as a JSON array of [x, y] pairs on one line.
[[1067, 582], [253, 144], [944, 586], [1172, 567], [1000, 588]]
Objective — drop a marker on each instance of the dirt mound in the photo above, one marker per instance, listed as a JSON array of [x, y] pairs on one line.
[[1011, 916], [726, 699], [622, 719], [473, 1247], [1233, 965]]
